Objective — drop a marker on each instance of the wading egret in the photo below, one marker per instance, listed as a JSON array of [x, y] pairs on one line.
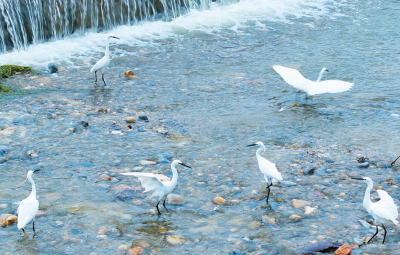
[[103, 62], [384, 211], [160, 189], [28, 207], [267, 168], [294, 78]]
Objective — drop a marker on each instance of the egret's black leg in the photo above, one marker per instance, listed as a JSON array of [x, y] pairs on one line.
[[102, 77], [394, 161], [95, 74], [158, 209], [374, 234], [384, 235], [33, 226], [164, 204], [269, 190], [23, 230]]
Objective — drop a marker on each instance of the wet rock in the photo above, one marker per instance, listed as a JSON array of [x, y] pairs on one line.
[[33, 77], [144, 118], [3, 150], [3, 160], [115, 232], [218, 200], [52, 68], [40, 213], [123, 192], [3, 206], [136, 250], [295, 217], [131, 120], [345, 249], [300, 203], [147, 162], [175, 239], [363, 165], [105, 177], [123, 247], [269, 220], [116, 132], [175, 199], [44, 80], [130, 74], [309, 210], [319, 247], [7, 219], [31, 154], [254, 225], [234, 252], [310, 171]]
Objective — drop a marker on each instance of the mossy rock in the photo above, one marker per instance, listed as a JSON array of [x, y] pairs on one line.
[[8, 70]]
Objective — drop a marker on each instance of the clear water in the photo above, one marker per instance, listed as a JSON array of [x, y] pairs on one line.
[[207, 79]]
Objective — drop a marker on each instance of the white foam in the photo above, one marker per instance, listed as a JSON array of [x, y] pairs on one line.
[[233, 16]]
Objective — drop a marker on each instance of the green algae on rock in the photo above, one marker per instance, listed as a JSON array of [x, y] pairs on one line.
[[8, 70]]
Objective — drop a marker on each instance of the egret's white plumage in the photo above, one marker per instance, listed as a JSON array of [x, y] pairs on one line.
[[297, 80], [28, 207], [267, 168], [160, 188], [104, 61], [384, 211]]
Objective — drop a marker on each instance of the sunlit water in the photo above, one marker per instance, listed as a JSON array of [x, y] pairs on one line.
[[206, 79]]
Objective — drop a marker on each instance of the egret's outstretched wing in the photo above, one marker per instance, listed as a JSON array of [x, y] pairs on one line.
[[292, 77], [387, 203], [269, 169], [329, 86], [149, 181], [26, 211]]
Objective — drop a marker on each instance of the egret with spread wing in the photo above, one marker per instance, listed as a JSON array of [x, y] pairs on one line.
[[384, 211], [267, 168], [297, 80], [160, 188], [28, 207]]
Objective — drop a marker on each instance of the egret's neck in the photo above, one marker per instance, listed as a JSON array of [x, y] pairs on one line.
[[367, 197], [33, 193], [260, 151], [319, 77], [174, 179]]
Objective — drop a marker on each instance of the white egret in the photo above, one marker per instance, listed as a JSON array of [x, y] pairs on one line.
[[267, 168], [160, 189], [28, 207], [103, 62], [384, 211], [294, 78]]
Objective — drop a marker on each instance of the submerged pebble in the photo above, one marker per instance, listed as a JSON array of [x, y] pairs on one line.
[[300, 203], [175, 199], [175, 239], [345, 249]]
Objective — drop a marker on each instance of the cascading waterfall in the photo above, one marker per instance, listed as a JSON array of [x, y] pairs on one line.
[[25, 22]]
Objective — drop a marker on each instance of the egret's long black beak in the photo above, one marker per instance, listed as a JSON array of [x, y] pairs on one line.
[[36, 170], [184, 165], [357, 178], [114, 37], [327, 70], [251, 145]]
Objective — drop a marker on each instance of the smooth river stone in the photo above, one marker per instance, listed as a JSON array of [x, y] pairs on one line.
[[175, 239]]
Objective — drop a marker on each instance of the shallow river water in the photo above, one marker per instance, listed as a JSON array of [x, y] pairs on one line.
[[208, 89]]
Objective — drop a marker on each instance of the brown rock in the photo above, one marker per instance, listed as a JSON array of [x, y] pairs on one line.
[[105, 177], [345, 249], [136, 250], [300, 203], [130, 74], [12, 219], [131, 120], [218, 200], [295, 217], [3, 219]]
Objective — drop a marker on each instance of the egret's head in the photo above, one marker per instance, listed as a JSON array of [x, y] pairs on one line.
[[365, 179], [257, 143], [30, 172], [178, 162], [325, 69]]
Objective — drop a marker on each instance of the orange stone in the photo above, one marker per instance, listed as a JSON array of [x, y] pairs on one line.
[[136, 250], [345, 249]]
